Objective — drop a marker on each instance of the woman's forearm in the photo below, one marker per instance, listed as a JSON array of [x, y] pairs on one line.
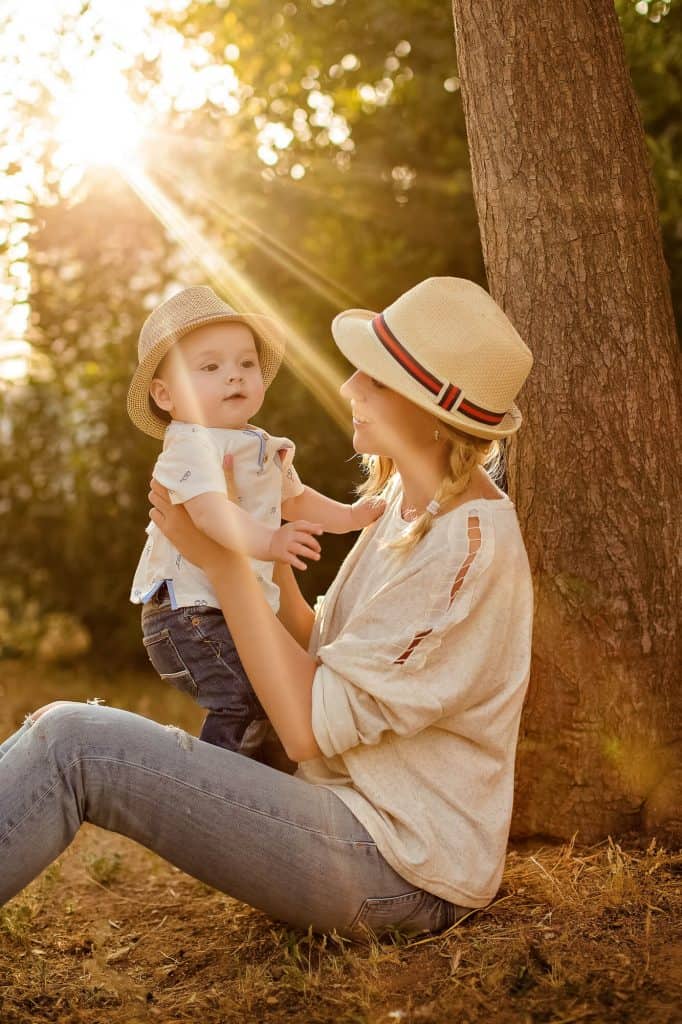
[[294, 611], [279, 668]]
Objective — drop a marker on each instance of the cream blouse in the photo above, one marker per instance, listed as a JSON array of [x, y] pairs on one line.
[[424, 664]]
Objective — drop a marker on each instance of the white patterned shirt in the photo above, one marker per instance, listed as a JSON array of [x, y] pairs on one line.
[[191, 464]]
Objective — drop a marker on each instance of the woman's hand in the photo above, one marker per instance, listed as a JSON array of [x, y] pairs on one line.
[[175, 523]]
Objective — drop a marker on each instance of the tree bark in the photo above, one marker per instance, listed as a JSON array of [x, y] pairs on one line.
[[573, 253]]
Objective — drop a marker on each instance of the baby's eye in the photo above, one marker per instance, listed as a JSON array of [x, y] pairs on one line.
[[210, 367], [248, 363], [376, 383]]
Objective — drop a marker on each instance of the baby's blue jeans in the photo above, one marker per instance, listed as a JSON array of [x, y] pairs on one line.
[[272, 840], [193, 650]]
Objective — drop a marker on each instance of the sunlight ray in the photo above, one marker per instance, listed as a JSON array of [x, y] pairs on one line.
[[315, 372], [276, 250], [353, 207]]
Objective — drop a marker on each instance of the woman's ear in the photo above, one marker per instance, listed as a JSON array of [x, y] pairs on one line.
[[158, 389]]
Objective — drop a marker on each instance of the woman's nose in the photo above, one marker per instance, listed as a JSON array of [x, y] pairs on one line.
[[349, 388]]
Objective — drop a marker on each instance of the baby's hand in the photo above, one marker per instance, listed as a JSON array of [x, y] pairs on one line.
[[365, 511], [293, 540]]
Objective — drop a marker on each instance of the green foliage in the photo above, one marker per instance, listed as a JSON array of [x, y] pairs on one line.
[[370, 194], [105, 868]]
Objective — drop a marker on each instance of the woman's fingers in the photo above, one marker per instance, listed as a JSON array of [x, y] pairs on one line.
[[159, 489], [158, 496], [228, 470], [156, 502]]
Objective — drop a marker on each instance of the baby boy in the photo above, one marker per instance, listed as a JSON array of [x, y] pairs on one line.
[[202, 375]]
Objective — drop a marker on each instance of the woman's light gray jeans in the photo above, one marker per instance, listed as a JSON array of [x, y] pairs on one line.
[[276, 842]]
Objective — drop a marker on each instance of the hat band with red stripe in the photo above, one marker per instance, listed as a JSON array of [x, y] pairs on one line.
[[448, 396]]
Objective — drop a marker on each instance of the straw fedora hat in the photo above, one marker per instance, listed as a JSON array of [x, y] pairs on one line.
[[172, 320], [448, 347]]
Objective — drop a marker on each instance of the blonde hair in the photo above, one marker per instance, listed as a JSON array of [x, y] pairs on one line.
[[466, 453]]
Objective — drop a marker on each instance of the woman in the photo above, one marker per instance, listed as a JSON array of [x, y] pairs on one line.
[[400, 698]]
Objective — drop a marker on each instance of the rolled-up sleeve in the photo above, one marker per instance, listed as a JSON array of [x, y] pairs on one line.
[[344, 715]]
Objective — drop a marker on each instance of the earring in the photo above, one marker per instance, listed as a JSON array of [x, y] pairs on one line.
[[436, 434]]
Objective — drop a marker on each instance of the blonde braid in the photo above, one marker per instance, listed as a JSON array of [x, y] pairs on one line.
[[466, 453]]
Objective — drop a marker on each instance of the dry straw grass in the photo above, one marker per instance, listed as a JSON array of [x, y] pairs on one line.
[[113, 934]]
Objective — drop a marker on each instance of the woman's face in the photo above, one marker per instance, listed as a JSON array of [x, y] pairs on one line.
[[385, 422]]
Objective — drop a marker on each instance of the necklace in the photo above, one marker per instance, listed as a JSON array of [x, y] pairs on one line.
[[410, 514]]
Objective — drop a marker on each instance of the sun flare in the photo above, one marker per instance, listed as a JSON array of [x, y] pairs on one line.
[[97, 124]]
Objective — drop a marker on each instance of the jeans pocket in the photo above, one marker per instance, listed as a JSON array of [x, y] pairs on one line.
[[166, 659], [412, 913]]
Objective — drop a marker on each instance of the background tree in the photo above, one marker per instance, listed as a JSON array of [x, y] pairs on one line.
[[572, 249]]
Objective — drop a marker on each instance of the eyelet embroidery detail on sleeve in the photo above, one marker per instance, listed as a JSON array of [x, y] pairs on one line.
[[473, 547]]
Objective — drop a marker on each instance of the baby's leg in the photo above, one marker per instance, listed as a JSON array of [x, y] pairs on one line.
[[192, 649], [236, 719]]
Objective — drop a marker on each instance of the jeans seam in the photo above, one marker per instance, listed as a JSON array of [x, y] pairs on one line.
[[34, 806], [196, 789]]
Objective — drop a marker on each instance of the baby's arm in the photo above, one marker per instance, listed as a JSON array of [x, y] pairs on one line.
[[227, 524], [334, 516]]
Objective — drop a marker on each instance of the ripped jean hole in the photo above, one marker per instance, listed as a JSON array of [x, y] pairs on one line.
[[185, 741]]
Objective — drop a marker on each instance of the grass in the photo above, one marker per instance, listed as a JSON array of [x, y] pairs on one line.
[[111, 933]]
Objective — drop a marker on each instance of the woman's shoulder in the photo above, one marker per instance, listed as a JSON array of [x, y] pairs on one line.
[[483, 491], [481, 530]]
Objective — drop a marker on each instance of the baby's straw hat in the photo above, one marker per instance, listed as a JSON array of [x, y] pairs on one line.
[[172, 320], [448, 347]]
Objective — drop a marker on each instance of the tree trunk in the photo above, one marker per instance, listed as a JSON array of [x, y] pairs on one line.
[[573, 254]]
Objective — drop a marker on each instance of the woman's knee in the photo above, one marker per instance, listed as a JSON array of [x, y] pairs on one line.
[[35, 715], [62, 720]]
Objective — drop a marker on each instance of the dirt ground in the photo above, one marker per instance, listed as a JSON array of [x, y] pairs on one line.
[[111, 934]]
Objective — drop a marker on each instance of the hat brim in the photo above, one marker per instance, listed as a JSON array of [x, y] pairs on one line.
[[354, 337], [272, 346]]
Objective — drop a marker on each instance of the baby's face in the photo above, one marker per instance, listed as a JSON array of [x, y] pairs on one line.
[[212, 376]]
